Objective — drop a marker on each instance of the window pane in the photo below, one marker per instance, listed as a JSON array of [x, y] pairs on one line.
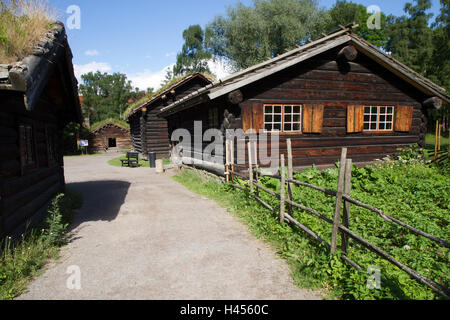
[[288, 118], [382, 126], [389, 126], [383, 110], [297, 109], [268, 127], [287, 127], [277, 118], [277, 109], [268, 109], [373, 126], [288, 109], [277, 127], [268, 118], [366, 126], [296, 119], [296, 127]]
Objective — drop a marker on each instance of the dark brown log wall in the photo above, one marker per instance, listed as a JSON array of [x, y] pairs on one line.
[[26, 193], [99, 141]]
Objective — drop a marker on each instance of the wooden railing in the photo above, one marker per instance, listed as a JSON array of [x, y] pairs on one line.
[[252, 174]]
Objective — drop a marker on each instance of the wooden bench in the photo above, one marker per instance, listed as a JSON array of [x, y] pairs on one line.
[[132, 160]]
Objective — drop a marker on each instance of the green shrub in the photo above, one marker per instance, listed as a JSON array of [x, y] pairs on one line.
[[408, 190]]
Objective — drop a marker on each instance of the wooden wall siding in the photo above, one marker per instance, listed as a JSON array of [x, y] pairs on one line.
[[99, 140], [324, 85], [25, 195], [153, 131], [135, 133]]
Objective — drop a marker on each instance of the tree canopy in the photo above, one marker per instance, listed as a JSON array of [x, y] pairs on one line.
[[106, 95], [193, 56], [246, 36]]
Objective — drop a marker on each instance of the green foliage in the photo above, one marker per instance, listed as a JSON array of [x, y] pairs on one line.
[[250, 35], [193, 57], [343, 13], [23, 259], [408, 190], [106, 95], [120, 123]]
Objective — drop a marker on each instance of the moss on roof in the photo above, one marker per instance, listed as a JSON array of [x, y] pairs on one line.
[[141, 102], [117, 122]]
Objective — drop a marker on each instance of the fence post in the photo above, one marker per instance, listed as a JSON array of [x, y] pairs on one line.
[[232, 159], [337, 211], [250, 167], [283, 188], [227, 160], [347, 191], [255, 145], [436, 141], [290, 173]]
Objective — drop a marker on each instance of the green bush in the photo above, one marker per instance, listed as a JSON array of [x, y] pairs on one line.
[[23, 259]]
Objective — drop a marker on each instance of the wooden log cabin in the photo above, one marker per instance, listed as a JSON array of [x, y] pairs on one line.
[[339, 91], [149, 132], [109, 135], [38, 98]]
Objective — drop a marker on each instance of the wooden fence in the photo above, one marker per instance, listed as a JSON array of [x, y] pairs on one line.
[[252, 173]]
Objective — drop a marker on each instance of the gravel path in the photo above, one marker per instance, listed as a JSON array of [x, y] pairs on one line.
[[141, 235]]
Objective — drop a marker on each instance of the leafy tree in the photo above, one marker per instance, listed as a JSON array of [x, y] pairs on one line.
[[193, 57], [343, 13], [106, 95], [410, 39], [249, 35]]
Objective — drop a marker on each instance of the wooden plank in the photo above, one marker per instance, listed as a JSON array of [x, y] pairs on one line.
[[290, 172], [283, 189], [307, 125], [258, 117], [347, 191], [250, 167], [403, 118], [317, 119], [337, 211]]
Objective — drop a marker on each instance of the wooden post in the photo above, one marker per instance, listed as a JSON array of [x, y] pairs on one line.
[[250, 166], [255, 145], [436, 141], [232, 159], [290, 173], [440, 136], [283, 189], [227, 160], [347, 191], [337, 211]]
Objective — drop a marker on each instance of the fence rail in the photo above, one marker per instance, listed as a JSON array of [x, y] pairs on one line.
[[343, 203]]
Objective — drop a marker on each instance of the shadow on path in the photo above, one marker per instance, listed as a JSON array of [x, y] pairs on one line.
[[102, 200]]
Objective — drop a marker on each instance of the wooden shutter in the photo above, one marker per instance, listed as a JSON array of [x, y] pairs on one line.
[[247, 121], [355, 119], [403, 118], [312, 118], [258, 117]]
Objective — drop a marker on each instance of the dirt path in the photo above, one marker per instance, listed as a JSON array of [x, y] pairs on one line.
[[143, 236]]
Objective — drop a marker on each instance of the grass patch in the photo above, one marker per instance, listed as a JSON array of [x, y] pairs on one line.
[[23, 260], [22, 24], [407, 190], [116, 162]]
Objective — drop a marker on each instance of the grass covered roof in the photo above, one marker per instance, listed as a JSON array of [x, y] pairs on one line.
[[132, 108], [119, 123]]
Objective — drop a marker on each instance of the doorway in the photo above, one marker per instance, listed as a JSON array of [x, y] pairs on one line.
[[112, 143]]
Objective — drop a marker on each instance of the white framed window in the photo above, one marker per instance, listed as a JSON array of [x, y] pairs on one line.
[[282, 118], [378, 118]]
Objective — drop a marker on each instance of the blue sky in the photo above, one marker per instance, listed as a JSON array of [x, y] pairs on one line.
[[141, 37]]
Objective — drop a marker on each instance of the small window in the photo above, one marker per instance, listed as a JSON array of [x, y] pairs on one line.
[[282, 118], [213, 118], [378, 118], [27, 147], [51, 146]]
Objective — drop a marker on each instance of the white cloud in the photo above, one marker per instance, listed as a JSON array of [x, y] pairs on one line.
[[91, 53], [148, 78], [91, 67], [171, 54]]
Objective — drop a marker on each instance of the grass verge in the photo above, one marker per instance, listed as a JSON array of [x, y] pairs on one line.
[[142, 163], [407, 190], [24, 259]]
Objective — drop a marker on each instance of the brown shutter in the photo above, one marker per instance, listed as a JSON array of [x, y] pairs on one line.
[[403, 118], [355, 119], [312, 118], [247, 121], [258, 117]]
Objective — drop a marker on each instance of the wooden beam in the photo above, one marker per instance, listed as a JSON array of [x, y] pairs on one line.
[[348, 53], [235, 97], [433, 102]]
